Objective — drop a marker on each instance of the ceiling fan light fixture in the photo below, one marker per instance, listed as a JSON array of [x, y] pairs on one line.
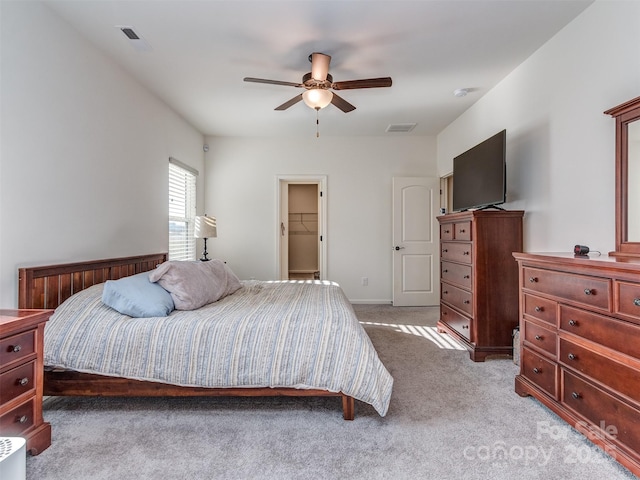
[[317, 98]]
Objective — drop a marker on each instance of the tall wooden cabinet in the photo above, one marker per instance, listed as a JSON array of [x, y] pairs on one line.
[[479, 279]]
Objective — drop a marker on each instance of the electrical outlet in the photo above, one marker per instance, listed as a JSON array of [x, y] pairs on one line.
[[365, 281]]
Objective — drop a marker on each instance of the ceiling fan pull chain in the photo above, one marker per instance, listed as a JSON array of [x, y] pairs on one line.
[[317, 122]]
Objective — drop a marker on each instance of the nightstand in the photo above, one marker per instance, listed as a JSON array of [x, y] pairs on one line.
[[21, 377]]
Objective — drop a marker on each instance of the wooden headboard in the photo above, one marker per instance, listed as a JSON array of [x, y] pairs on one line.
[[49, 286]]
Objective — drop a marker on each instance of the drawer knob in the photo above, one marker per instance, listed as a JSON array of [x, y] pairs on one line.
[[445, 271], [465, 253], [467, 276], [573, 323], [538, 309], [536, 370], [538, 337], [445, 292], [23, 381], [447, 231], [576, 395], [466, 302], [533, 279], [636, 302], [23, 419], [572, 356], [465, 326], [588, 291], [15, 348]]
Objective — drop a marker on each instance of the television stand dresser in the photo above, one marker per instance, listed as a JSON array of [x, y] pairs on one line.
[[580, 345], [479, 279]]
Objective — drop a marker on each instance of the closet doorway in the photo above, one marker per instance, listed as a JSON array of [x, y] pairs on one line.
[[302, 228]]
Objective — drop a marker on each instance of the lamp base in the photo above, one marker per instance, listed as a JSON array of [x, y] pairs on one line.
[[204, 257]]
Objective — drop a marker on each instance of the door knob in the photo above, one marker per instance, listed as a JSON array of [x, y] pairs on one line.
[[397, 247]]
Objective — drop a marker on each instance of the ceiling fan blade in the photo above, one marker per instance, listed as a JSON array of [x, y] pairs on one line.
[[320, 66], [342, 104], [364, 83], [272, 82], [289, 103]]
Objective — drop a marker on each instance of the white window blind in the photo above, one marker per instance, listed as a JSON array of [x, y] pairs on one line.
[[182, 211]]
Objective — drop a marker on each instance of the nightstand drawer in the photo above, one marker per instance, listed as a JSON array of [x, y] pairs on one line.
[[540, 371], [17, 381], [462, 231], [17, 347], [19, 419]]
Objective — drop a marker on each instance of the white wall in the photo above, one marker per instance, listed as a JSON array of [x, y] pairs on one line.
[[84, 154], [560, 145], [241, 192]]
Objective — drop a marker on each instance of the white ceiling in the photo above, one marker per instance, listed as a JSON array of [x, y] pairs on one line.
[[200, 51]]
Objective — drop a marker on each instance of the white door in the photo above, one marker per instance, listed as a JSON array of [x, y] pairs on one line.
[[416, 241]]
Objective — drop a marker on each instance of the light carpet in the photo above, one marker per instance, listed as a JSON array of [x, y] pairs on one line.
[[450, 418]]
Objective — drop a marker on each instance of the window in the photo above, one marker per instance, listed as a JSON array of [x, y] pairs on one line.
[[182, 210]]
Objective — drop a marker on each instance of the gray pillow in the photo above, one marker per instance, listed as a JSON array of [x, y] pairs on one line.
[[194, 284], [136, 296]]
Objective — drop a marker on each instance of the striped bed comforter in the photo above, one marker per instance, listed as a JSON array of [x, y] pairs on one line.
[[267, 334]]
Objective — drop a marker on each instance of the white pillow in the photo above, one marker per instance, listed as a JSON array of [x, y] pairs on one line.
[[194, 284]]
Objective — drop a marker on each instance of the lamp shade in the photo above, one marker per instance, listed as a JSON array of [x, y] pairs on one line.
[[205, 227], [317, 98]]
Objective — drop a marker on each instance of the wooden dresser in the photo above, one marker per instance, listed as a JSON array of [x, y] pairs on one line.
[[580, 341], [479, 279], [21, 377]]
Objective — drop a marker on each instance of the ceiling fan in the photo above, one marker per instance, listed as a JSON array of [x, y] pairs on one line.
[[318, 84]]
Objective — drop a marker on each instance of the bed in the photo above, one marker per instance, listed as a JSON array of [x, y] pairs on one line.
[[297, 338]]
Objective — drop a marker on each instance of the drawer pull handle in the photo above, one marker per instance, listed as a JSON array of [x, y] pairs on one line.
[[537, 371], [465, 253], [445, 271], [23, 381], [539, 309], [445, 250], [576, 395], [533, 279], [445, 292], [447, 231], [23, 419], [467, 276], [573, 323], [15, 348], [588, 291], [466, 302], [572, 356], [636, 302], [465, 326], [538, 337]]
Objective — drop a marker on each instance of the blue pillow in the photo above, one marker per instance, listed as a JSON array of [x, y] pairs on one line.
[[137, 297]]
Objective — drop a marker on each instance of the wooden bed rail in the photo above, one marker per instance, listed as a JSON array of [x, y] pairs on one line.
[[49, 286]]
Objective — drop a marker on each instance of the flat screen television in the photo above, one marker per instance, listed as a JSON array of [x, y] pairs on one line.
[[480, 175]]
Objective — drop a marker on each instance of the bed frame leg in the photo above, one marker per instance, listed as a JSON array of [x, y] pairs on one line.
[[348, 407]]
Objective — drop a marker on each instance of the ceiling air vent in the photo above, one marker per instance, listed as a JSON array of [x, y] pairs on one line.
[[135, 40], [400, 127]]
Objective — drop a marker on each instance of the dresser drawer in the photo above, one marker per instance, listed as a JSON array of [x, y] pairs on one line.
[[593, 292], [456, 320], [628, 300], [18, 420], [540, 308], [600, 408], [540, 371], [599, 367], [615, 334], [458, 252], [17, 347], [540, 338], [446, 231], [456, 273], [17, 381], [457, 297], [462, 230]]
